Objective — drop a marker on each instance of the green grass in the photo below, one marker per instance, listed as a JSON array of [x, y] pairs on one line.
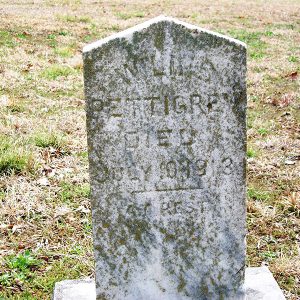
[[293, 58], [13, 159], [63, 33], [269, 33], [130, 15], [87, 226], [74, 19], [251, 118], [69, 266], [55, 71], [263, 131], [257, 47], [52, 40], [2, 194], [23, 262], [113, 28], [268, 255], [29, 272], [251, 153], [83, 155], [45, 140], [70, 192], [7, 39], [64, 51], [256, 194], [16, 108], [19, 269], [283, 26]]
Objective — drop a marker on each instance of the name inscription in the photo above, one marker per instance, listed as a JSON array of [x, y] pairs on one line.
[[158, 105]]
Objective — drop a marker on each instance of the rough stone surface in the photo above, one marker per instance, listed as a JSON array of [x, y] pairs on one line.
[[166, 106], [75, 290], [259, 285]]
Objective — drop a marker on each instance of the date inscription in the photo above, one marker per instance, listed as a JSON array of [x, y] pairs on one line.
[[161, 176]]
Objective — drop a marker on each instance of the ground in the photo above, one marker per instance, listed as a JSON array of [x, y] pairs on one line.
[[45, 222]]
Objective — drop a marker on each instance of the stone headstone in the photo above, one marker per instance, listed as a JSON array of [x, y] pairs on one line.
[[166, 106]]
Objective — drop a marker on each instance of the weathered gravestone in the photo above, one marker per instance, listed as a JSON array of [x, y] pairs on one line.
[[166, 105], [166, 131]]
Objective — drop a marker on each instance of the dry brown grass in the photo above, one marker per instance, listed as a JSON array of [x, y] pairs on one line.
[[44, 204]]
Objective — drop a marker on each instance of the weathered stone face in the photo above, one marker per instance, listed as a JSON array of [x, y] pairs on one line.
[[166, 108]]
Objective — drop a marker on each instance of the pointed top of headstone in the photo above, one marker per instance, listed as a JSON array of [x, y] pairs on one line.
[[128, 33]]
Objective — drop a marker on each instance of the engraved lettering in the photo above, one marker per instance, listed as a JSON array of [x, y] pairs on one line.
[[133, 173], [227, 163], [179, 105], [185, 169], [132, 106], [157, 72], [163, 136], [201, 167], [153, 101], [187, 136], [212, 101], [115, 108], [196, 102], [171, 169], [207, 70], [166, 105], [147, 172], [172, 67], [163, 105]]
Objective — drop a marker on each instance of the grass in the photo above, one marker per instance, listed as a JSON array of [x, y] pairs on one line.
[[6, 39], [19, 269], [13, 159], [55, 71], [257, 46], [22, 262], [263, 131], [69, 266], [74, 19], [64, 51], [293, 59], [70, 192], [45, 140], [16, 108], [129, 15], [251, 153], [45, 233], [258, 194]]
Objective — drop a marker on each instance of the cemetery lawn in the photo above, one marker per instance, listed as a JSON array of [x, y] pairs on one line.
[[45, 221]]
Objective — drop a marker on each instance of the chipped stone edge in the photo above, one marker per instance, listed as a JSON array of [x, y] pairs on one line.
[[128, 33], [259, 284]]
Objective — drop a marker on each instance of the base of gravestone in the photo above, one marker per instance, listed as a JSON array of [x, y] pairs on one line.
[[259, 285]]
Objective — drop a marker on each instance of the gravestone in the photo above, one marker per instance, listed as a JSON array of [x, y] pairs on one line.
[[166, 105], [166, 127]]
